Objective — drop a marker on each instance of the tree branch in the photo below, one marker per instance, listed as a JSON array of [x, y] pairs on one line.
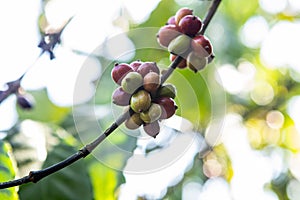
[[35, 176]]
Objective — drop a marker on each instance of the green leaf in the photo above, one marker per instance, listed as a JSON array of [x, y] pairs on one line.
[[7, 171], [44, 110], [73, 182], [104, 181]]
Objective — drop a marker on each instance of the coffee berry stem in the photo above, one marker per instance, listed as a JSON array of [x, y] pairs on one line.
[[35, 176]]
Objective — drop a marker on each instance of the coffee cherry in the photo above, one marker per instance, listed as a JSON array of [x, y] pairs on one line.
[[131, 82], [147, 67], [166, 34], [196, 63], [119, 71], [135, 65], [134, 121], [179, 45], [201, 46], [171, 20], [167, 90], [181, 13], [151, 82], [168, 107], [190, 25], [120, 97], [140, 101], [152, 129], [152, 114], [25, 101], [182, 63]]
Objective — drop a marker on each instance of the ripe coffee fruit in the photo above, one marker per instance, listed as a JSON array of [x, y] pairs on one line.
[[134, 121], [201, 46], [131, 82], [119, 71], [181, 13], [196, 63], [151, 81], [190, 25], [135, 65], [180, 44], [152, 129], [120, 97], [166, 34], [147, 67], [152, 114], [182, 63], [168, 107], [140, 101], [167, 90]]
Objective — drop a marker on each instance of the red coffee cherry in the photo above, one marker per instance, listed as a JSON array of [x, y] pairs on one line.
[[120, 97], [168, 107], [152, 129], [119, 71], [181, 13], [151, 82], [136, 64], [201, 46], [171, 20], [147, 67], [190, 25], [166, 34], [182, 63]]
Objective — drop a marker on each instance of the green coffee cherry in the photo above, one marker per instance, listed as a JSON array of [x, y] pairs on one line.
[[140, 101], [134, 121], [167, 90], [131, 82], [195, 62], [152, 114], [180, 44]]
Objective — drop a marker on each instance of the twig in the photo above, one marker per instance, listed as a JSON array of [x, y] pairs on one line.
[[35, 176]]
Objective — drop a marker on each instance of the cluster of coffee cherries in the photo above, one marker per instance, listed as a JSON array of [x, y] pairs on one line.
[[181, 36], [140, 88]]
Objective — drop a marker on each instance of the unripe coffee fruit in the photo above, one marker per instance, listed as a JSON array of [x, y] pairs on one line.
[[119, 71], [120, 97], [201, 46], [168, 107], [166, 34], [140, 101], [151, 81], [167, 90], [134, 121], [152, 129], [196, 63], [190, 25], [181, 13], [131, 82], [147, 67], [171, 20], [152, 114], [179, 45]]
